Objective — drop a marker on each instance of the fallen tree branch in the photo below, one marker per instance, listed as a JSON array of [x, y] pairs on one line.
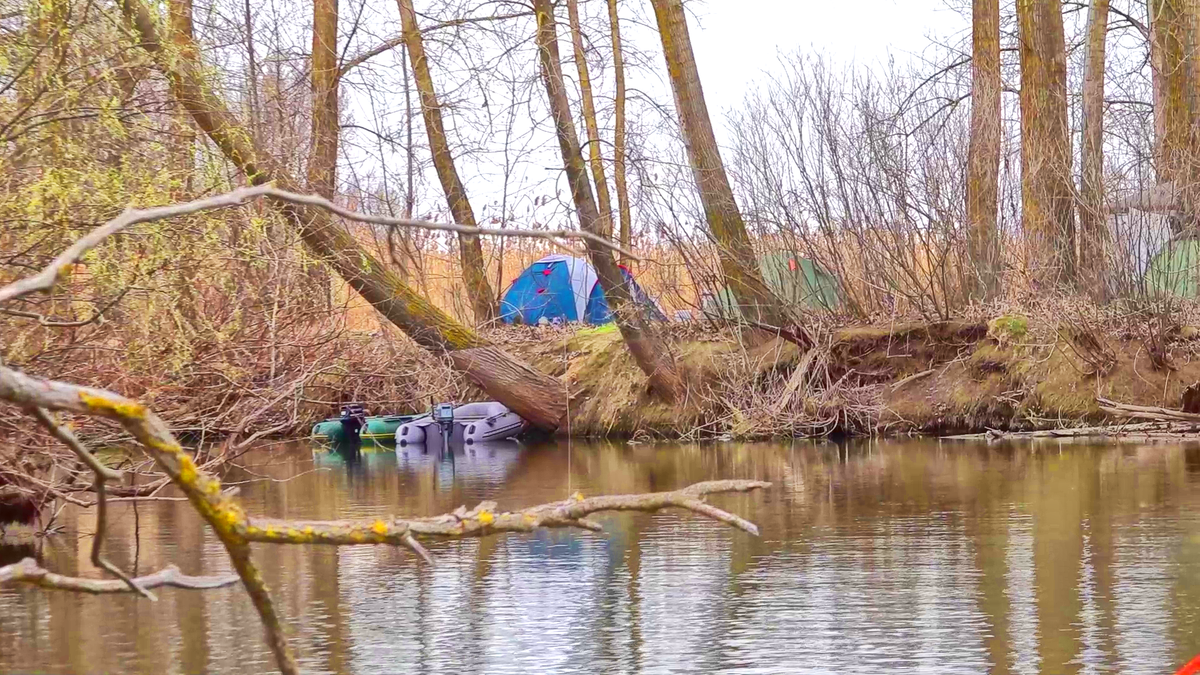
[[1142, 431], [1145, 412], [29, 572], [924, 373], [46, 278], [218, 509], [485, 519]]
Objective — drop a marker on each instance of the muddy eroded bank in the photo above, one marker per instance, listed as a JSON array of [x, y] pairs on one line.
[[935, 378]]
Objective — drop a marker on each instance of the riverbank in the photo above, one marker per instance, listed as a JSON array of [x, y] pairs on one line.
[[950, 377], [1008, 373]]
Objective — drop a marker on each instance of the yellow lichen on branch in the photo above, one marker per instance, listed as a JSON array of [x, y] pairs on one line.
[[485, 519], [120, 407]]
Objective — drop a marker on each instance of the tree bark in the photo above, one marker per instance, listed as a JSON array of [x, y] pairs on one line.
[[983, 153], [649, 352], [1047, 202], [589, 120], [252, 62], [1156, 78], [537, 397], [322, 160], [179, 16], [626, 235], [738, 261], [1171, 25], [474, 269], [1093, 232]]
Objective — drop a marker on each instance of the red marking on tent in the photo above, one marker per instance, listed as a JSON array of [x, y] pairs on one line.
[[792, 264], [1190, 668], [541, 290], [546, 272]]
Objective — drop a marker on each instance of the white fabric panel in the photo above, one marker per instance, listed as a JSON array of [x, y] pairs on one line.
[[583, 279]]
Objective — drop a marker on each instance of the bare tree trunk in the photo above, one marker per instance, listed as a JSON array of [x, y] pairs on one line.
[[1092, 230], [179, 16], [1159, 91], [322, 160], [537, 397], [589, 120], [410, 196], [649, 352], [1171, 24], [619, 133], [738, 261], [474, 269], [251, 61], [326, 129], [1047, 201], [983, 154]]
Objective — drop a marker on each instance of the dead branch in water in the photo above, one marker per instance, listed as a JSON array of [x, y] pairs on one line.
[[1146, 431], [484, 519], [29, 572]]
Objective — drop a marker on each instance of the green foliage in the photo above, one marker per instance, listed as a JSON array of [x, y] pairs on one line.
[[80, 143], [1008, 329]]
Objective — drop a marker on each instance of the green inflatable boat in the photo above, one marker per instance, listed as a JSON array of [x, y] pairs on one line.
[[377, 428]]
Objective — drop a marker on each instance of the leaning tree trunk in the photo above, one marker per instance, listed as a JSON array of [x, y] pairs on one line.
[[738, 262], [1047, 201], [474, 270], [537, 397], [603, 202], [983, 153], [649, 352], [1092, 229], [626, 235]]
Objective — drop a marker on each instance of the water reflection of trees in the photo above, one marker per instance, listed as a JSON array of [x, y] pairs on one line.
[[910, 555]]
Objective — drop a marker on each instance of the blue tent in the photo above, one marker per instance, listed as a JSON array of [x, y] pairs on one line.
[[560, 288]]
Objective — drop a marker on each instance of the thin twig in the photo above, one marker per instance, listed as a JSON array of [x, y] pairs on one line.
[[103, 475]]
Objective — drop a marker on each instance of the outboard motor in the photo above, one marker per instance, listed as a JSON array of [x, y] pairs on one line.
[[353, 419], [443, 415]]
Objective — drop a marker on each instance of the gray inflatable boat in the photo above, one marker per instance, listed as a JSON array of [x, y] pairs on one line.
[[467, 424]]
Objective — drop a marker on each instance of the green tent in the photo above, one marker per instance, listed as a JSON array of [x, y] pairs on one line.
[[1174, 270], [799, 282]]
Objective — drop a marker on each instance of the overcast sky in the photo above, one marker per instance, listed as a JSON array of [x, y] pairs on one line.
[[864, 31]]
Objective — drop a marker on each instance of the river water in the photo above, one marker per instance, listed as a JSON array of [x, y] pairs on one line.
[[892, 557]]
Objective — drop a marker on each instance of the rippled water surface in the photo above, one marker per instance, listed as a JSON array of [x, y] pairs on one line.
[[896, 557]]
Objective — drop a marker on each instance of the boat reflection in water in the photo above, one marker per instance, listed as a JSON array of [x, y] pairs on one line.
[[481, 463], [487, 463]]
